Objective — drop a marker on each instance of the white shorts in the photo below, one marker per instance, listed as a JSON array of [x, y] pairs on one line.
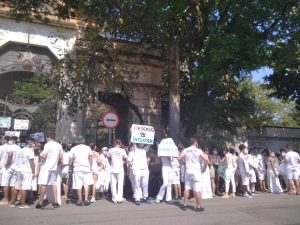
[[261, 174], [252, 178], [9, 178], [245, 179], [293, 174], [176, 177], [47, 177], [65, 172], [193, 181], [23, 180], [81, 178]]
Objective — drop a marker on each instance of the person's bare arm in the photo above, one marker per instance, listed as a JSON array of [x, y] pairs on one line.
[[32, 166], [181, 156]]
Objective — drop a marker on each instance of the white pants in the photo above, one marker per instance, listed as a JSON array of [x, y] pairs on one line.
[[141, 179], [167, 174], [116, 186], [227, 184]]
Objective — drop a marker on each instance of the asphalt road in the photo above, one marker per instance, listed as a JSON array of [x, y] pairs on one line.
[[263, 209]]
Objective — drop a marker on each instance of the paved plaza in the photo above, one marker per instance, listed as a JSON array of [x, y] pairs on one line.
[[263, 209]]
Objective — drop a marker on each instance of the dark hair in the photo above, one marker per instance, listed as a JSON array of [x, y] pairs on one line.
[[267, 152], [232, 150], [6, 138], [193, 141], [118, 142], [14, 138], [50, 135], [93, 146], [242, 147]]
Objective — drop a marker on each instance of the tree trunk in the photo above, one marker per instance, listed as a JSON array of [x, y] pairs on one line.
[[174, 91]]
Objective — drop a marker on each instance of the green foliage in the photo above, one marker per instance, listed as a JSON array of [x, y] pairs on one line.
[[37, 89]]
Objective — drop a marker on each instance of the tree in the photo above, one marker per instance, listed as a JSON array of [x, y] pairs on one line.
[[215, 43]]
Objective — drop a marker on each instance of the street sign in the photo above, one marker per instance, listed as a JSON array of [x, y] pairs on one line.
[[110, 120], [21, 124], [5, 122]]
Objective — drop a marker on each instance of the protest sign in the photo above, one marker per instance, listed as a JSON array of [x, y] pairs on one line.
[[5, 122], [21, 124], [40, 137], [167, 147], [142, 134], [12, 133]]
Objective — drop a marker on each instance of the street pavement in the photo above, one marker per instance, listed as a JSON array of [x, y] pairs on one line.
[[262, 209]]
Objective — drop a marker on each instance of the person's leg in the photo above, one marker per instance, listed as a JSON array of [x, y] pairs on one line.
[[232, 180], [95, 178], [120, 184], [145, 182], [227, 182], [13, 194], [113, 187], [23, 197], [43, 189], [65, 187], [5, 194], [163, 187], [86, 193], [186, 196], [54, 193], [79, 195], [198, 199]]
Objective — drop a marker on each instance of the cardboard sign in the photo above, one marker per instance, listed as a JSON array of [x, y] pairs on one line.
[[21, 124], [12, 133], [5, 122], [167, 147], [40, 137], [142, 134]]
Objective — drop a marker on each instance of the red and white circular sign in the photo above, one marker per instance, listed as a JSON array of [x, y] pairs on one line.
[[110, 120]]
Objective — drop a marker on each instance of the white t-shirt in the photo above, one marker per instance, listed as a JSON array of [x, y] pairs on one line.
[[116, 163], [138, 158], [175, 163], [192, 158], [80, 155], [3, 155], [53, 150], [243, 163], [66, 157], [14, 149], [292, 158], [22, 159]]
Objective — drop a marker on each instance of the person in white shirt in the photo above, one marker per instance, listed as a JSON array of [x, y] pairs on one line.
[[9, 175], [292, 159], [81, 164], [176, 177], [25, 171], [116, 157], [3, 158], [261, 171], [51, 157], [65, 169], [244, 170], [168, 175], [194, 158], [137, 160]]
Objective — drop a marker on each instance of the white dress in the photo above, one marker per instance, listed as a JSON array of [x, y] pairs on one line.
[[206, 192], [273, 181]]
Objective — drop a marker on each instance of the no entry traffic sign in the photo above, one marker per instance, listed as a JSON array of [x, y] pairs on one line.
[[110, 120]]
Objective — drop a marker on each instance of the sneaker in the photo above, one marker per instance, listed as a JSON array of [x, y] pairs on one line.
[[93, 200], [137, 202], [157, 201], [86, 203], [80, 203], [255, 193], [12, 205], [56, 205], [246, 195], [184, 207], [3, 202], [24, 207], [147, 201], [201, 209], [38, 206]]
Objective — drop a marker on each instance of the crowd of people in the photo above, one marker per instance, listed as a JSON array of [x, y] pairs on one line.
[[55, 171]]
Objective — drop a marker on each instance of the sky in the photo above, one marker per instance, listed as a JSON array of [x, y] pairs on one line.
[[259, 75]]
